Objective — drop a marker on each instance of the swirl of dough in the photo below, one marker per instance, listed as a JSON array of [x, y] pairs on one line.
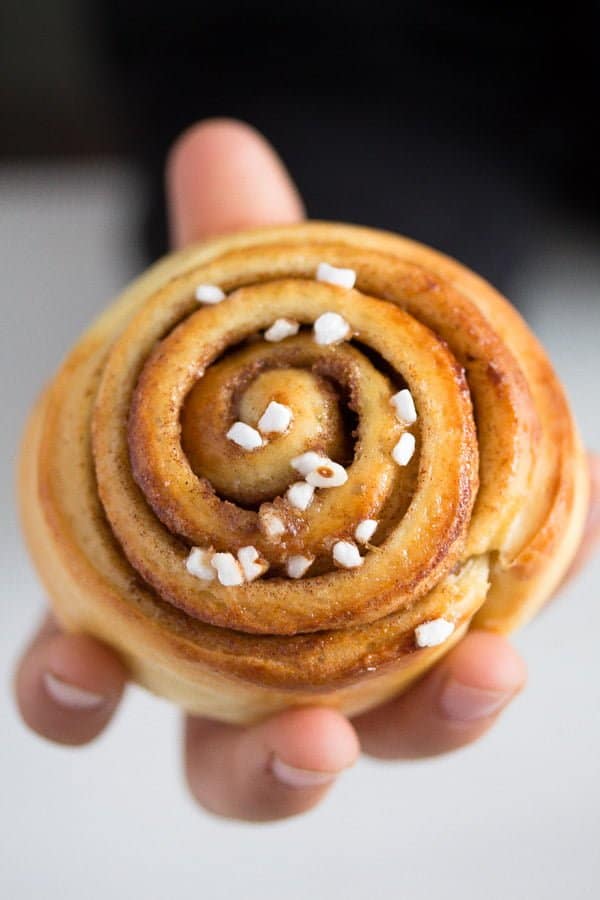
[[417, 550], [305, 489]]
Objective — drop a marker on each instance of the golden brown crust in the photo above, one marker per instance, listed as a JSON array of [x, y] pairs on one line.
[[341, 637], [240, 387]]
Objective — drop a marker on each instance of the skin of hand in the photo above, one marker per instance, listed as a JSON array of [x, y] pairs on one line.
[[222, 176]]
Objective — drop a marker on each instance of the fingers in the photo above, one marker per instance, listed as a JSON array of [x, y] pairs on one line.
[[462, 697], [223, 176], [68, 686], [453, 706], [273, 770]]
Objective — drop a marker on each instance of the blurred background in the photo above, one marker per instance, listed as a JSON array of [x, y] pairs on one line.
[[470, 130]]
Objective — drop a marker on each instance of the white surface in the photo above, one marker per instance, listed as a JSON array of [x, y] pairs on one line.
[[516, 816]]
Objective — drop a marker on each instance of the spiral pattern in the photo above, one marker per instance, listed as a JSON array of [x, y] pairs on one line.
[[140, 466], [178, 502]]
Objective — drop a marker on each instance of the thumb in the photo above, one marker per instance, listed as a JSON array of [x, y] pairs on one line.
[[223, 176]]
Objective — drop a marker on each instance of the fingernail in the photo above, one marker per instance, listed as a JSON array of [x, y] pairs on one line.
[[464, 703], [299, 778], [69, 695]]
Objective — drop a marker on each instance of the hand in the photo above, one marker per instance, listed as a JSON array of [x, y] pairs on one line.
[[222, 176]]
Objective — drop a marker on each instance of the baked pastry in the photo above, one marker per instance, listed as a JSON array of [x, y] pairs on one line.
[[265, 484]]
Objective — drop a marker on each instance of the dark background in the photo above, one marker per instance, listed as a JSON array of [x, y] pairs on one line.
[[459, 124]]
